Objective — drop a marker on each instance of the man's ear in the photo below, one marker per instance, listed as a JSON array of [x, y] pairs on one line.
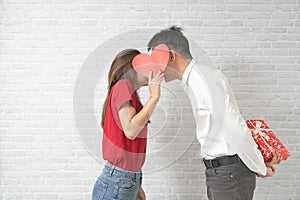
[[172, 56]]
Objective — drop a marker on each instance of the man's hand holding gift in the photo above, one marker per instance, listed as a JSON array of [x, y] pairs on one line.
[[269, 145], [275, 160], [270, 168]]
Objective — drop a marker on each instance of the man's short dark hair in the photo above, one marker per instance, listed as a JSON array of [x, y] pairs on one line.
[[174, 39]]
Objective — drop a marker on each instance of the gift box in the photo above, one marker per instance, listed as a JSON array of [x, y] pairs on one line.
[[266, 140]]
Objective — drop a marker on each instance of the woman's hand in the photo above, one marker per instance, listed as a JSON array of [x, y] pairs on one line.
[[154, 85], [141, 194]]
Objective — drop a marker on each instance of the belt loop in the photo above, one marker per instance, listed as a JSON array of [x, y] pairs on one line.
[[211, 164], [112, 168]]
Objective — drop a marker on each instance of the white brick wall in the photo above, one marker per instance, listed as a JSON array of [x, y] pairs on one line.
[[44, 43]]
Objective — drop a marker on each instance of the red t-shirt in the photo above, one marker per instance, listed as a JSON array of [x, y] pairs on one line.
[[117, 149]]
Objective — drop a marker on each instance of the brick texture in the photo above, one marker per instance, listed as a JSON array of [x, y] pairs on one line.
[[44, 43]]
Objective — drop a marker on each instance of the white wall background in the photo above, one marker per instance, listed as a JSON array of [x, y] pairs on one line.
[[43, 44]]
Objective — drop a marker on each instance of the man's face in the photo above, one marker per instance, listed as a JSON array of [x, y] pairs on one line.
[[170, 73]]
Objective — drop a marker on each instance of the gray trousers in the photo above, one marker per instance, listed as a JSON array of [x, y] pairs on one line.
[[230, 182]]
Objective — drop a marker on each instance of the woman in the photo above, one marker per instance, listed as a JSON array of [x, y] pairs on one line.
[[124, 123]]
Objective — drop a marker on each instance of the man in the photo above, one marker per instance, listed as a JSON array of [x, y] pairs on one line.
[[229, 153]]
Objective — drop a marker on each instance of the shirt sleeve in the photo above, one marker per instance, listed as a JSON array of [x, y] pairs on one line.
[[123, 92], [244, 143], [249, 153], [203, 121]]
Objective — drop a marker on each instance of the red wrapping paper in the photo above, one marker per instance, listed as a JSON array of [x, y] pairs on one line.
[[266, 140]]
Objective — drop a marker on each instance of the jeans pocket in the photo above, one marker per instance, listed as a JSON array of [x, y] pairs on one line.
[[126, 184], [224, 173], [99, 190], [128, 189]]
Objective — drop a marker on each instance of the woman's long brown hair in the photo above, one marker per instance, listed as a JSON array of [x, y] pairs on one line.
[[121, 68]]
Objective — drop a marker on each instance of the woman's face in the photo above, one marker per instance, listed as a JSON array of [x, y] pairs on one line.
[[141, 80]]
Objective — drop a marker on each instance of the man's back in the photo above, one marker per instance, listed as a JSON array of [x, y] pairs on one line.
[[221, 130]]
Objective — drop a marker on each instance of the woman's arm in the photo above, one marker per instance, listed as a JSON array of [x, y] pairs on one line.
[[132, 123], [141, 194]]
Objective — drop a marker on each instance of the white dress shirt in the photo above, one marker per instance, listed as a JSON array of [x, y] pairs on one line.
[[221, 130]]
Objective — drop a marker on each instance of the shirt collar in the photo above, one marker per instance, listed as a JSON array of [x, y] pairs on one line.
[[187, 72]]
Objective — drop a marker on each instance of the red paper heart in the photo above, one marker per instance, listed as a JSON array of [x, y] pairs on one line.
[[143, 63]]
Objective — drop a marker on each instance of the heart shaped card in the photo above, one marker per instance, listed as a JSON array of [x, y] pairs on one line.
[[157, 61]]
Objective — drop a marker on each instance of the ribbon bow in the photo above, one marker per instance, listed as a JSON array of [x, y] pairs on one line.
[[257, 129]]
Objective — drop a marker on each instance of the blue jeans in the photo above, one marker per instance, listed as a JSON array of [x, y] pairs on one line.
[[117, 184]]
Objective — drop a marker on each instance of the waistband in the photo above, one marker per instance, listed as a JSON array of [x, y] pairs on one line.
[[116, 171], [221, 161]]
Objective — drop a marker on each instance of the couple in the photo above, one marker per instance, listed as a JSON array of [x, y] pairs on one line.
[[232, 161]]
